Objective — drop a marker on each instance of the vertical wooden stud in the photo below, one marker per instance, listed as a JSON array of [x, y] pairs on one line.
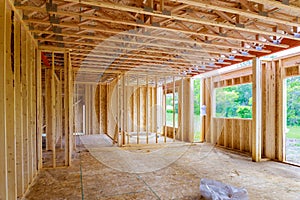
[[174, 130], [39, 112], [138, 111], [53, 111], [147, 110], [19, 108], [256, 110], [3, 144]]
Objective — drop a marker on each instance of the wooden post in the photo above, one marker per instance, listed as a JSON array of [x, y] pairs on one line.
[[10, 114], [165, 108], [182, 110], [18, 108], [174, 130], [24, 77], [39, 112], [100, 110], [155, 111], [70, 102], [124, 111], [53, 111], [212, 109], [138, 111], [66, 108], [256, 110], [3, 144], [86, 121], [201, 116], [147, 110], [29, 100], [34, 112]]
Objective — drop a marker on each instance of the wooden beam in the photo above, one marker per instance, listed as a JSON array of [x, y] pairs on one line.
[[180, 18], [140, 25], [138, 111], [156, 111], [293, 10], [256, 110], [71, 116], [165, 109], [10, 111], [66, 109], [182, 109], [39, 112], [244, 13], [174, 110], [19, 108], [3, 134], [147, 110], [53, 111]]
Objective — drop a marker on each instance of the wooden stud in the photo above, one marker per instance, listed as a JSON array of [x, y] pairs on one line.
[[66, 108], [156, 111], [165, 109], [182, 110], [70, 102], [173, 102], [53, 111], [100, 110], [34, 110], [19, 108], [138, 111], [3, 144], [39, 112], [147, 109], [256, 110], [24, 77], [29, 100]]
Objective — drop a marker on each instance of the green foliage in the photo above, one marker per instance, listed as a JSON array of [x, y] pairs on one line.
[[234, 101], [197, 91], [293, 101], [244, 111]]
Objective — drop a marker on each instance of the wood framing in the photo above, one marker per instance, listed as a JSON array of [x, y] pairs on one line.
[[256, 110]]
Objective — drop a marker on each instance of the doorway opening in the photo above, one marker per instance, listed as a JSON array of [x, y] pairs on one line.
[[292, 122]]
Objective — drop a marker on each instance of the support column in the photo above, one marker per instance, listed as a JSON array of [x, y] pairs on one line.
[[256, 110], [19, 108], [53, 112], [39, 112], [10, 112], [3, 145], [173, 102]]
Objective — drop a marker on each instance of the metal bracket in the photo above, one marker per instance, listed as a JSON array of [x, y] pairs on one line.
[[156, 24], [240, 25], [56, 29], [263, 13], [96, 8], [138, 21], [54, 19], [51, 7], [148, 9], [59, 38], [166, 12]]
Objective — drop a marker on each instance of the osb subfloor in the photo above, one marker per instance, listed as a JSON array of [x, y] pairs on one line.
[[178, 180]]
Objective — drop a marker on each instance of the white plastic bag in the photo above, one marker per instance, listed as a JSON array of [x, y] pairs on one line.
[[215, 190]]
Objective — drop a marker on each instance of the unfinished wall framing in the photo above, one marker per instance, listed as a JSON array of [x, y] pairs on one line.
[[235, 133]]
